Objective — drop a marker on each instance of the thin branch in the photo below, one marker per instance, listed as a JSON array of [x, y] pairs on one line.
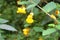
[[43, 10]]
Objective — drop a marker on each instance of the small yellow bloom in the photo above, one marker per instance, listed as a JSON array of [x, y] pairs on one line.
[[26, 31], [21, 10], [53, 17], [29, 16], [57, 12], [29, 20]]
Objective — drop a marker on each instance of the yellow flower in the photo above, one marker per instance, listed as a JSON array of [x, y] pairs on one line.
[[53, 17], [30, 15], [29, 20], [21, 10], [26, 31], [57, 12]]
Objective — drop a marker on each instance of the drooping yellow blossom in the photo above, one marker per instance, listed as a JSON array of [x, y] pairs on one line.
[[21, 10], [53, 17], [26, 31], [57, 12], [30, 18], [30, 15]]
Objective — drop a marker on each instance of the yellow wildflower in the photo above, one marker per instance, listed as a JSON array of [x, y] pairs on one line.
[[30, 18], [21, 10], [53, 17], [26, 31], [30, 15], [57, 12]]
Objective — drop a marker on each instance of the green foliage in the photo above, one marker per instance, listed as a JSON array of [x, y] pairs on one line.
[[31, 6], [37, 29], [48, 31], [57, 27], [3, 20], [13, 23], [7, 27], [1, 38], [49, 7]]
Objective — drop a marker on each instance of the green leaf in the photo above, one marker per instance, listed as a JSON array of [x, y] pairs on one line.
[[46, 20], [49, 7], [35, 1], [51, 25], [37, 29], [48, 31], [3, 20], [36, 11], [7, 27], [30, 6], [58, 27]]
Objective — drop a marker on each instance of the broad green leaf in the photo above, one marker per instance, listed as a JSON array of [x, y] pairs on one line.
[[38, 29], [30, 6], [7, 27], [58, 27], [48, 31], [35, 1], [36, 11], [49, 7], [46, 20], [3, 20]]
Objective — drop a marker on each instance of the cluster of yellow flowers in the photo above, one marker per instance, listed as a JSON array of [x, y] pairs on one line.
[[30, 18], [26, 31]]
